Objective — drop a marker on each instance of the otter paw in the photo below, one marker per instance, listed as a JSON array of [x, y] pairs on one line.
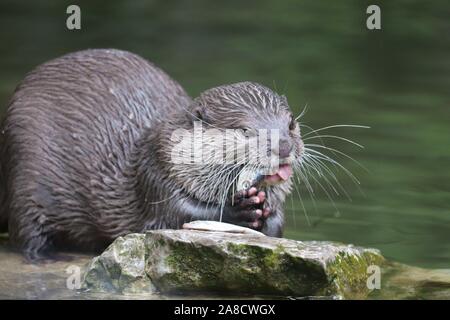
[[247, 209]]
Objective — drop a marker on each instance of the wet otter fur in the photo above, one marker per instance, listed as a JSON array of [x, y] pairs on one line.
[[85, 153]]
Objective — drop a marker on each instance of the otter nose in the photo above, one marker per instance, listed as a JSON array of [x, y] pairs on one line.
[[284, 149], [279, 146]]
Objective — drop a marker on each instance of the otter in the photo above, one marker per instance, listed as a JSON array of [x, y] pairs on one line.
[[85, 154]]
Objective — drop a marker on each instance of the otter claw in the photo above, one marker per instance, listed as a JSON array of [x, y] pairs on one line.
[[252, 191], [262, 196], [249, 202]]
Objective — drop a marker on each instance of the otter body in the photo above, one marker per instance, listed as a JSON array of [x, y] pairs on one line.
[[85, 155]]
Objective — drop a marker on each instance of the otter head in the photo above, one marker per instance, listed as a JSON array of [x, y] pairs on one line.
[[235, 136]]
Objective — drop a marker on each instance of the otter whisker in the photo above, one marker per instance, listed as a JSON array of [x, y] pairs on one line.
[[314, 163], [221, 175], [205, 194], [328, 170], [332, 175], [315, 134], [306, 181], [301, 178], [339, 152], [306, 165], [227, 189], [336, 137], [221, 191], [336, 126], [326, 192], [305, 108], [320, 155]]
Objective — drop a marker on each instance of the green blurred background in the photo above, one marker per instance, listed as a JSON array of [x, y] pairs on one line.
[[319, 53]]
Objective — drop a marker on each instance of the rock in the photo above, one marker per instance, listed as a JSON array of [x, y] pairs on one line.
[[401, 281], [190, 261], [121, 268]]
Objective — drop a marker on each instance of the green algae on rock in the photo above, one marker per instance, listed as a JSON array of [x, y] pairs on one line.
[[189, 261]]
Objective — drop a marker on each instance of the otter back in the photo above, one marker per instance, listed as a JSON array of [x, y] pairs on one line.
[[67, 137]]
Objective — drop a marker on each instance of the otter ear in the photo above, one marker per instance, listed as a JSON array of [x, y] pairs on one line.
[[197, 111]]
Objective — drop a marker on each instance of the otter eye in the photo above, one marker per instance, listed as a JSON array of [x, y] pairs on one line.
[[199, 115], [250, 133]]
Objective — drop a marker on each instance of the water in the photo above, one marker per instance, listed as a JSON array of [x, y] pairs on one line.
[[395, 80]]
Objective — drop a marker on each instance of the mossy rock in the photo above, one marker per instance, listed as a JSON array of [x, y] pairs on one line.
[[120, 269], [193, 262]]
